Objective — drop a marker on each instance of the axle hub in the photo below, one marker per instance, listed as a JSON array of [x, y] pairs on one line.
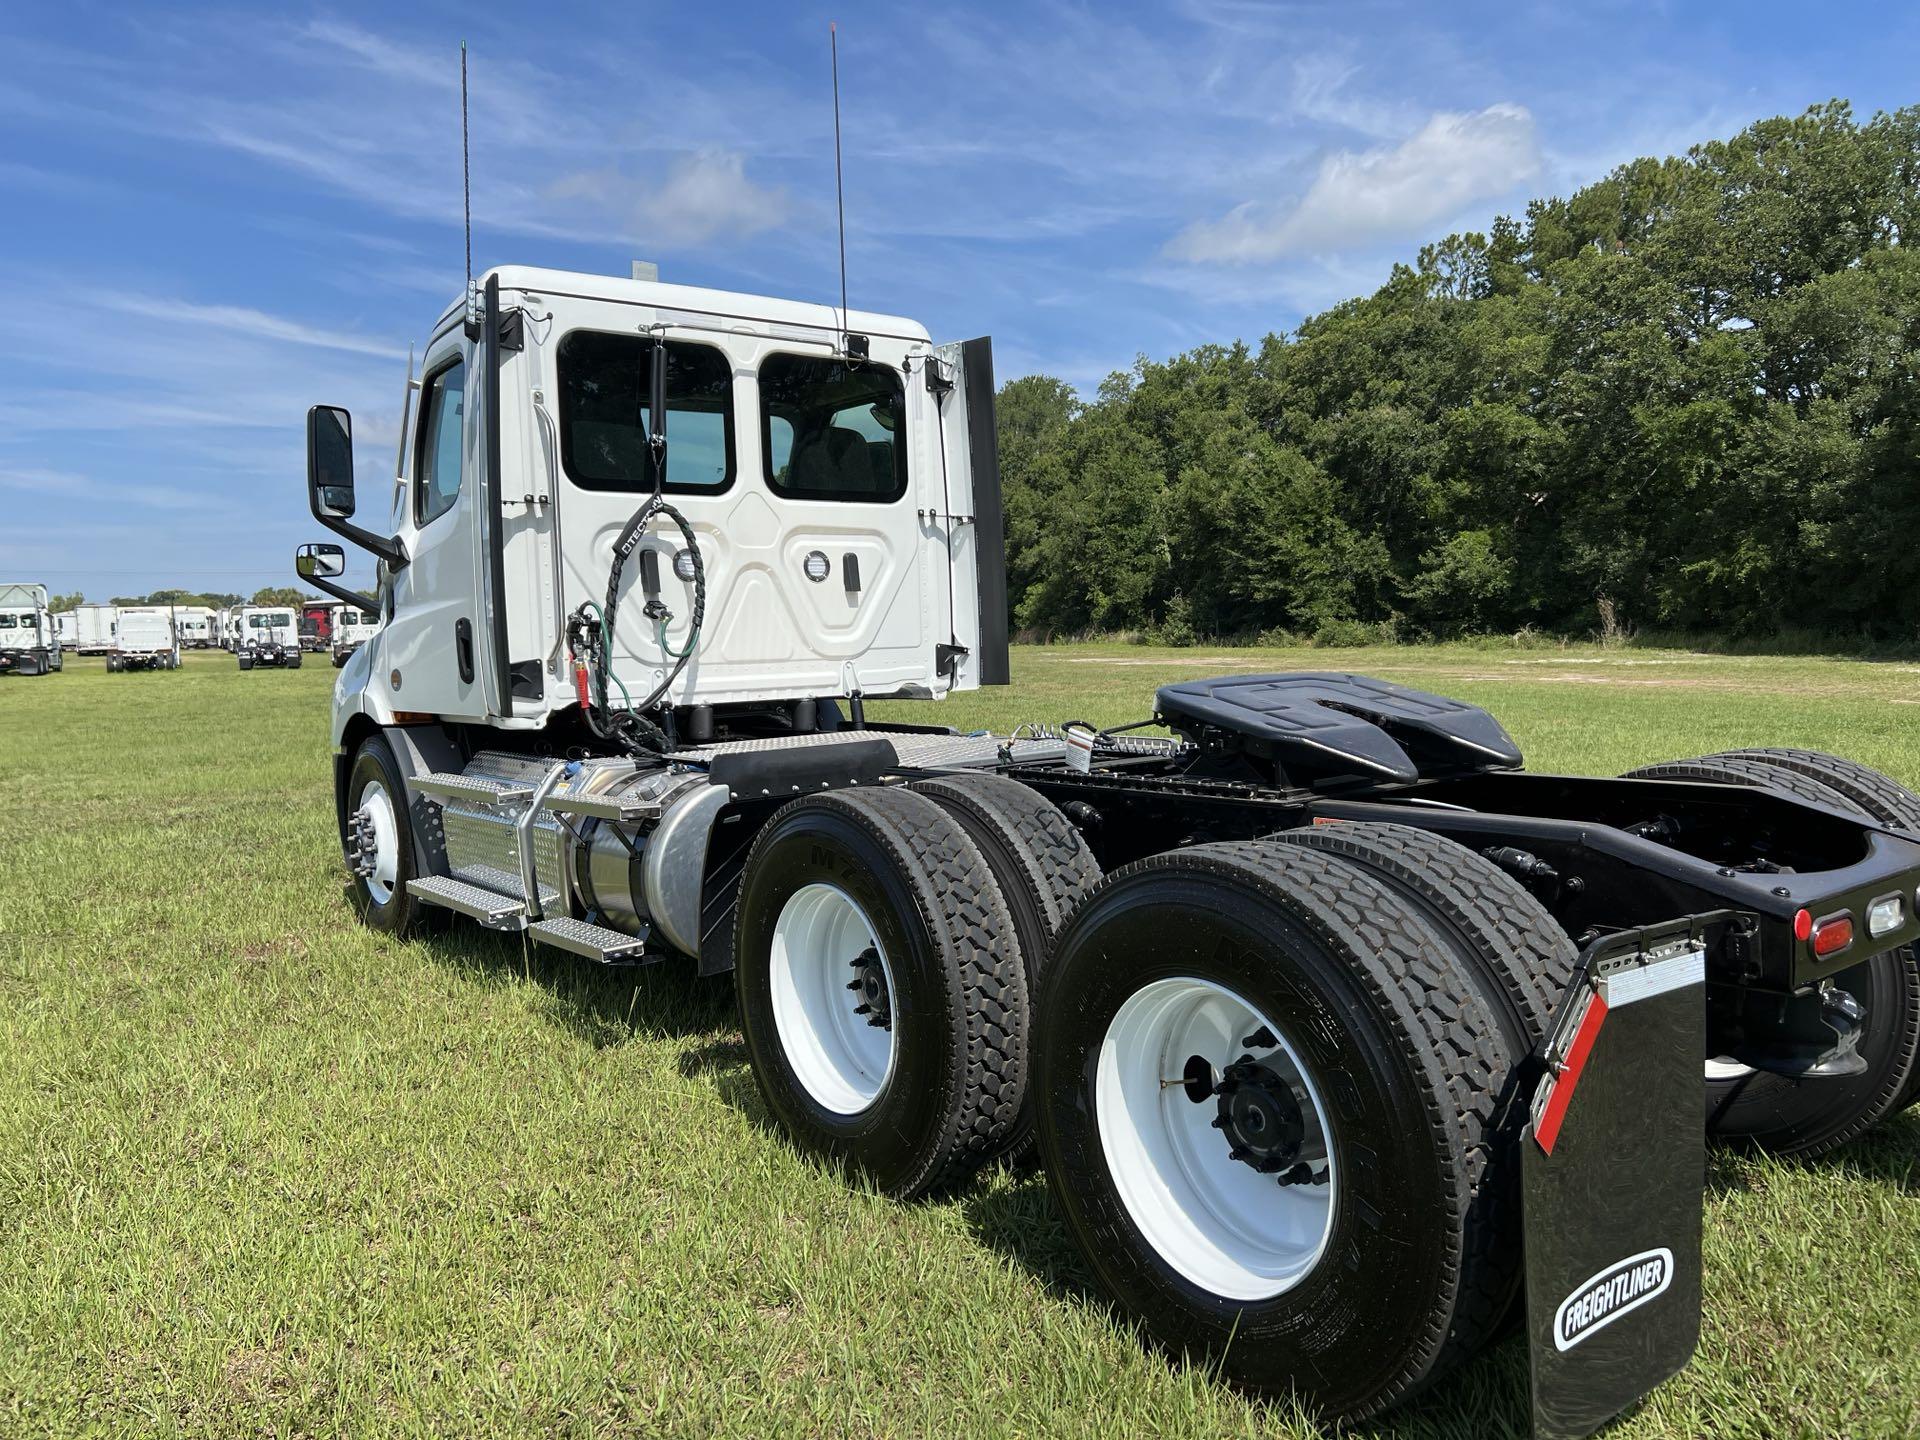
[[363, 844], [1260, 1117], [870, 983]]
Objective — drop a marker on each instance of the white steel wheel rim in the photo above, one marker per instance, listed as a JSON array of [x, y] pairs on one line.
[[377, 806], [1721, 1067], [840, 1060], [1229, 1229]]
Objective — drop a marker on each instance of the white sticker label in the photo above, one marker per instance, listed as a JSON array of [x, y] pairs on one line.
[[1625, 1285]]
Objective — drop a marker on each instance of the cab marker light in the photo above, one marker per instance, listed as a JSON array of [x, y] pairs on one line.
[[1832, 934]]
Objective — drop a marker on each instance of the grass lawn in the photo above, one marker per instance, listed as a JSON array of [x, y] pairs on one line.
[[263, 1172]]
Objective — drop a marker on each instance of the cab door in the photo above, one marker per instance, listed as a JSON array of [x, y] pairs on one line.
[[430, 651]]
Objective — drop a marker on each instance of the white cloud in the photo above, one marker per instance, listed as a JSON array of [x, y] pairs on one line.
[[245, 321], [1389, 192], [706, 196]]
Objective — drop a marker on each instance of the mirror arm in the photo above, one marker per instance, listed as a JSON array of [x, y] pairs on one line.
[[363, 603], [391, 549]]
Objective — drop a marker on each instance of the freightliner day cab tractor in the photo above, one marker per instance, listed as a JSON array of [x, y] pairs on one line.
[[1342, 1037], [29, 637], [144, 639], [266, 635]]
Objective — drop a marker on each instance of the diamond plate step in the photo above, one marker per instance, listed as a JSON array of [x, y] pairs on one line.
[[507, 882], [489, 907], [582, 937], [603, 807], [475, 789]]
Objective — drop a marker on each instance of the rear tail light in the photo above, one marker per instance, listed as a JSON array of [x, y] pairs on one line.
[[1833, 934]]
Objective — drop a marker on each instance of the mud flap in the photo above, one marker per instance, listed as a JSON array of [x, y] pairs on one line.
[[1613, 1175]]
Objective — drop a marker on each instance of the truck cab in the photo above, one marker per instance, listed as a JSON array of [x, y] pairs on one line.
[[836, 527], [195, 626], [352, 628], [29, 641], [267, 635], [144, 639]]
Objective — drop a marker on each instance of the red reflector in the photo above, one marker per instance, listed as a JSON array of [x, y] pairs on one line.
[[1833, 935], [1548, 1130], [1802, 924]]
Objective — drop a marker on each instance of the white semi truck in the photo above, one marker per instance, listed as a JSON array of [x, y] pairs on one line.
[[144, 639], [1368, 1039], [29, 639], [267, 635], [93, 628], [352, 628]]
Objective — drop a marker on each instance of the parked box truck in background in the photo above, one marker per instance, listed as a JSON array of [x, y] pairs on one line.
[[63, 626], [93, 628]]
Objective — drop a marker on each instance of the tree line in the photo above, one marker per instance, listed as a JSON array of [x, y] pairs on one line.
[[1683, 399]]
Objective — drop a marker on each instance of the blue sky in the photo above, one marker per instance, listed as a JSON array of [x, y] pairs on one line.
[[214, 216]]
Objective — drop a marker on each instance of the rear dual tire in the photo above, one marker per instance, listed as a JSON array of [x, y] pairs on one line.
[[863, 911], [1384, 1035]]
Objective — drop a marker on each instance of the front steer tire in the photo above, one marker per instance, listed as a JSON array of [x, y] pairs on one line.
[[393, 911], [941, 1096], [1810, 1117], [1406, 1281]]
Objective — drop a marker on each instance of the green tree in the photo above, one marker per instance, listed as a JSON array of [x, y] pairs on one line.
[[1687, 394]]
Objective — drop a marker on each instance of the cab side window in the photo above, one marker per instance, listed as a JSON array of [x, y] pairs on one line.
[[437, 473]]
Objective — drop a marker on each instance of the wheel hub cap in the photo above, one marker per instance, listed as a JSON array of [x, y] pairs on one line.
[[869, 985], [1260, 1117]]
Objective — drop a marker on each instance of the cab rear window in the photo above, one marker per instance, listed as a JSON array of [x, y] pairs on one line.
[[832, 430], [605, 384]]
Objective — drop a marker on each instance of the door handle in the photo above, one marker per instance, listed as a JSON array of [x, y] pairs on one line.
[[463, 649]]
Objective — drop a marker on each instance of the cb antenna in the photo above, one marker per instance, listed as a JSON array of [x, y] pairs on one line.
[[839, 184], [466, 199]]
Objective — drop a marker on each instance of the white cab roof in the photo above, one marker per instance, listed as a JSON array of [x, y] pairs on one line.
[[693, 299]]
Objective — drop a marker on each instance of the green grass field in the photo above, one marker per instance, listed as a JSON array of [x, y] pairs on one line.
[[263, 1172]]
